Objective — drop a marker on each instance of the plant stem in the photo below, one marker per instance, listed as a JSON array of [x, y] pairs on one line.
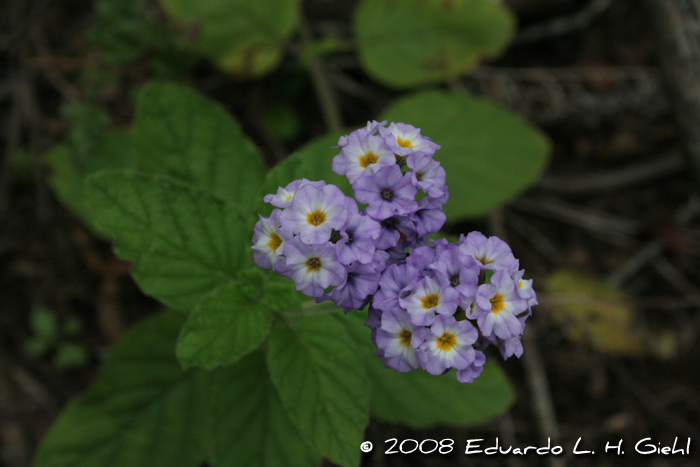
[[324, 90]]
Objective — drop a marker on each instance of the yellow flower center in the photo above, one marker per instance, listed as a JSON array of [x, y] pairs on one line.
[[430, 301], [405, 338], [275, 241], [313, 264], [404, 143], [367, 159], [497, 303], [316, 218], [484, 260], [446, 342]]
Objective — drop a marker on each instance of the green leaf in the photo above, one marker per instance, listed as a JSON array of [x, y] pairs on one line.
[[70, 355], [180, 133], [244, 38], [419, 399], [422, 400], [280, 294], [250, 426], [404, 43], [322, 384], [142, 410], [222, 328], [43, 323], [490, 154], [252, 281], [183, 241], [70, 166], [313, 162]]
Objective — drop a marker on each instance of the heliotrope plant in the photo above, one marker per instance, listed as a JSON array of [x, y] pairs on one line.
[[433, 305]]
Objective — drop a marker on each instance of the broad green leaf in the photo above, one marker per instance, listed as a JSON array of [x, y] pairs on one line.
[[490, 154], [142, 410], [323, 385], [222, 328], [250, 426], [277, 293], [184, 242], [180, 133], [245, 38], [405, 43], [70, 167], [313, 162], [67, 180], [252, 281], [420, 399], [280, 294]]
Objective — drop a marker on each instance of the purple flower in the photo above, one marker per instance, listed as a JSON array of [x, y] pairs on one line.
[[525, 289], [510, 347], [427, 298], [441, 244], [397, 254], [362, 153], [500, 304], [421, 257], [313, 268], [362, 281], [458, 271], [474, 370], [268, 240], [393, 231], [405, 139], [440, 201], [427, 218], [284, 196], [471, 310], [373, 126], [394, 279], [398, 340], [448, 344], [428, 175], [490, 253], [315, 212], [388, 192], [358, 236], [374, 318]]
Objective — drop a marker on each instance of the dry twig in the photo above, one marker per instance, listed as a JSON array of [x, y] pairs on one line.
[[635, 174]]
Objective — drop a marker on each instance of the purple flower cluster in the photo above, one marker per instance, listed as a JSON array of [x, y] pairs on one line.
[[433, 305], [447, 302]]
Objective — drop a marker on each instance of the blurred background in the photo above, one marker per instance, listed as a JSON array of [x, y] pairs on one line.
[[608, 225]]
